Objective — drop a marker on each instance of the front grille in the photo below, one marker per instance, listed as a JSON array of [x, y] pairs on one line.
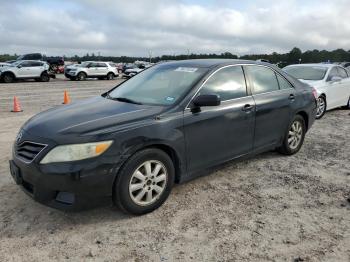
[[29, 150]]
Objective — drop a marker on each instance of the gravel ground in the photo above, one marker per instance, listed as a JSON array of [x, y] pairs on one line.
[[268, 208]]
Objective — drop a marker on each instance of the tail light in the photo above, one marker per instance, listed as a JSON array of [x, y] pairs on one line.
[[314, 92]]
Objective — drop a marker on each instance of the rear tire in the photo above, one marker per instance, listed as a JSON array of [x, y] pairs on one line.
[[8, 78], [110, 76], [294, 138], [144, 182], [321, 107], [44, 77]]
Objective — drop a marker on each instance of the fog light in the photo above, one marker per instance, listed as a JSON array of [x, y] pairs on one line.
[[65, 198]]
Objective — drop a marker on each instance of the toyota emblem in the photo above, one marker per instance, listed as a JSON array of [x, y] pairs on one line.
[[19, 136]]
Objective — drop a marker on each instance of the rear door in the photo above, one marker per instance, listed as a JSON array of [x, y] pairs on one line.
[[334, 88], [102, 69], [274, 98], [216, 134], [36, 68]]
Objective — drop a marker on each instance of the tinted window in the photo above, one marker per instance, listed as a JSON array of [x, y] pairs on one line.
[[264, 79], [93, 65], [306, 72], [26, 64], [284, 84], [101, 65], [228, 83], [332, 73], [342, 72], [35, 63]]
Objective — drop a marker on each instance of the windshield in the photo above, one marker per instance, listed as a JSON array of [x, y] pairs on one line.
[[84, 64], [16, 63], [306, 72], [159, 85]]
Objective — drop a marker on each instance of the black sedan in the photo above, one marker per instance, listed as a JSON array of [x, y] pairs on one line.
[[161, 127]]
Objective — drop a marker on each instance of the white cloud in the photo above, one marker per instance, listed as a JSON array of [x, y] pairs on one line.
[[116, 27]]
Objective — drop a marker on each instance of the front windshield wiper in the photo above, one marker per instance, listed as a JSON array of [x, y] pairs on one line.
[[123, 99]]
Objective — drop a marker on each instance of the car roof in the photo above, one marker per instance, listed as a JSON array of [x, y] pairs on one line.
[[209, 63]]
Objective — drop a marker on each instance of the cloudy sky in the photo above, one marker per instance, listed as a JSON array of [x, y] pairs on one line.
[[136, 27]]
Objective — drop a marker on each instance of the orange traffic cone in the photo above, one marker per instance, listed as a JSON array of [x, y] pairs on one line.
[[16, 105], [66, 98]]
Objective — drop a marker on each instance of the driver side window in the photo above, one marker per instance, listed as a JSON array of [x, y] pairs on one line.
[[228, 83]]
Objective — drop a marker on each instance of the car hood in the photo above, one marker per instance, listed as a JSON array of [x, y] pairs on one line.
[[92, 116]]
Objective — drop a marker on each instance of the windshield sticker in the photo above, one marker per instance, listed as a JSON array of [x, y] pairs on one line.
[[169, 98], [186, 69]]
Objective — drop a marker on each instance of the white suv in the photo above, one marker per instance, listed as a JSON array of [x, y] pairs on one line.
[[100, 70], [28, 69]]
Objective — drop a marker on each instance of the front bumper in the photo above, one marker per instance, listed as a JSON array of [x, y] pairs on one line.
[[66, 186]]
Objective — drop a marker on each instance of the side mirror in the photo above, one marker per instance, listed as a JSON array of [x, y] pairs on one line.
[[206, 100], [335, 79], [19, 66]]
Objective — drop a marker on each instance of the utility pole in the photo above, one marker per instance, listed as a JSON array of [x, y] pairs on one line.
[[150, 56]]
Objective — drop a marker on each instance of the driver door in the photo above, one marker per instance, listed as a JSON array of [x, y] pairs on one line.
[[24, 69], [220, 133]]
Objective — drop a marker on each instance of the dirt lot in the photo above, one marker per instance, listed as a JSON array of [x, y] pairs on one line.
[[269, 208]]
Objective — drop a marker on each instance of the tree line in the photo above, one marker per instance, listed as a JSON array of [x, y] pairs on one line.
[[292, 57]]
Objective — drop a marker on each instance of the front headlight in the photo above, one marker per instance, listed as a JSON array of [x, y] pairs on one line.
[[67, 153]]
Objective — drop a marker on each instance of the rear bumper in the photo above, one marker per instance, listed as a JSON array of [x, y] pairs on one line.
[[70, 187]]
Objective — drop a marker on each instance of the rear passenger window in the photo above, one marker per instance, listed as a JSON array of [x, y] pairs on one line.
[[342, 72], [264, 79], [228, 83], [284, 84]]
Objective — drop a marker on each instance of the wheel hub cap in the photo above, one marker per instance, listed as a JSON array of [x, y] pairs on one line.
[[295, 135], [148, 182], [320, 106]]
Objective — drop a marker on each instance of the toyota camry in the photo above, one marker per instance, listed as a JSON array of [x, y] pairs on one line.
[[132, 143]]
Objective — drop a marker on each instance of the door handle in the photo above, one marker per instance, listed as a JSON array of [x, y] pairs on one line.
[[291, 97], [247, 107]]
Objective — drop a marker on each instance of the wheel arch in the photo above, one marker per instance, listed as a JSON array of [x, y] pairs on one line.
[[8, 72], [305, 117], [166, 148]]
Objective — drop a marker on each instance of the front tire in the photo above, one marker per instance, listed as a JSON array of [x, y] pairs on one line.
[[294, 138], [144, 182], [81, 76], [321, 107], [8, 78]]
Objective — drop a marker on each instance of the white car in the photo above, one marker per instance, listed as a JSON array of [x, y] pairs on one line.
[[331, 82], [26, 69], [91, 69]]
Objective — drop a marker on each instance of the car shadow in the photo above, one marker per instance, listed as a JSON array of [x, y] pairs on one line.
[[23, 216]]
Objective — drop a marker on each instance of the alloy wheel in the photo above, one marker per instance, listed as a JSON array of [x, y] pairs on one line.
[[295, 135], [148, 182], [321, 106]]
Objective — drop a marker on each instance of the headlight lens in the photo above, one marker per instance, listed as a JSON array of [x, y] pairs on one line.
[[67, 153]]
